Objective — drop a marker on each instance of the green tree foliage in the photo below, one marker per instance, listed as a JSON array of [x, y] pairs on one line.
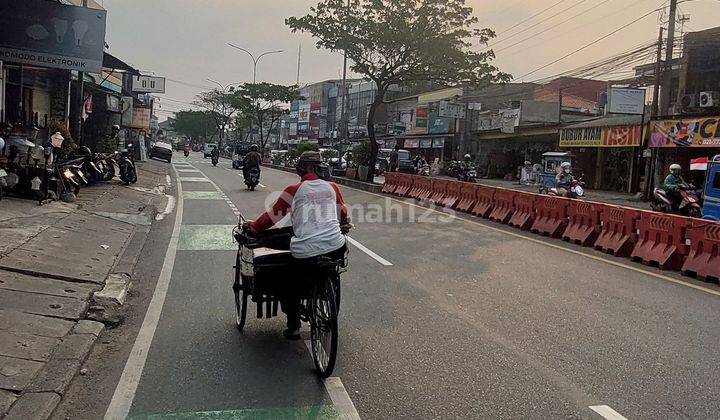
[[403, 41], [264, 104], [222, 107], [195, 124]]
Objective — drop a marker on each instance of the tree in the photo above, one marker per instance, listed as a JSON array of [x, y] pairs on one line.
[[263, 104], [195, 124], [403, 41], [222, 107]]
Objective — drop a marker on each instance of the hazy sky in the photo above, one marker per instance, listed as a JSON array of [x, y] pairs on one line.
[[186, 40]]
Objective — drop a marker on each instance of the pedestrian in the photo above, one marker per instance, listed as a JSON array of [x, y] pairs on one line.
[[394, 158]]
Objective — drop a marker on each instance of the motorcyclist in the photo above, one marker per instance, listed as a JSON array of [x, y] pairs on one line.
[[564, 179], [215, 153], [673, 182], [252, 160], [186, 150], [319, 219], [419, 162]]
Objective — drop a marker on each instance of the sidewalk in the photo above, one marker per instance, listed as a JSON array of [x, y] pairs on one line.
[[607, 197], [53, 259]]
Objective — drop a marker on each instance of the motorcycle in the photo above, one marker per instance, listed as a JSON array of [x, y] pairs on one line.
[[109, 162], [424, 170], [467, 174], [186, 152], [252, 178], [128, 172], [214, 160], [576, 190], [689, 201]]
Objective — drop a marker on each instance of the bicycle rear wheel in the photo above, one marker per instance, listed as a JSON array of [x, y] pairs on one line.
[[240, 297], [324, 327]]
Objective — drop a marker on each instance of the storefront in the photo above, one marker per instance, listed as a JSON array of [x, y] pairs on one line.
[[429, 147], [605, 151], [499, 154], [680, 140]]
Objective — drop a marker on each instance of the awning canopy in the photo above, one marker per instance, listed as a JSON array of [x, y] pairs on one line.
[[608, 121], [112, 62]]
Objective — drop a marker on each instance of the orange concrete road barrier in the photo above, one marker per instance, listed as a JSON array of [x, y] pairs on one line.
[[524, 211], [703, 260], [618, 234], [503, 205], [551, 215], [467, 197], [583, 223], [452, 194], [661, 240], [484, 201]]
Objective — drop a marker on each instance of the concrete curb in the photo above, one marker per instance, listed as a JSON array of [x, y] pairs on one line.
[[365, 186], [39, 399]]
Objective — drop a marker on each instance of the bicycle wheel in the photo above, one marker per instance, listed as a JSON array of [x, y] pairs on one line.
[[323, 328], [240, 297]]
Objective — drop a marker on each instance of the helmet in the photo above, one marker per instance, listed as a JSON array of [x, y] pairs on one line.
[[467, 156], [310, 157], [675, 168], [254, 147], [2, 143], [116, 127], [565, 165], [85, 151]]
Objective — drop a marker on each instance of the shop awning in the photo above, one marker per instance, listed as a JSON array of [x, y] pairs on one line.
[[112, 62], [608, 131]]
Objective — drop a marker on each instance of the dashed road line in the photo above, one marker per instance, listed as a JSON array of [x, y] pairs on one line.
[[607, 412], [338, 395], [372, 255]]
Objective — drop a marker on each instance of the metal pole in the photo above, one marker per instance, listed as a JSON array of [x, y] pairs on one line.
[[651, 162], [667, 74], [343, 125]]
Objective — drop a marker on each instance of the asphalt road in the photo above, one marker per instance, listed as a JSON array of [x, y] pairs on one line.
[[471, 320]]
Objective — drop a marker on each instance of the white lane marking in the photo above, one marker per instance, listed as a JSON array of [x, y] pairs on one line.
[[167, 180], [338, 395], [607, 412], [372, 255], [168, 208], [127, 386]]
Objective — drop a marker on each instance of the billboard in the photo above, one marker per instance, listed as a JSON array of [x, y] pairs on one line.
[[626, 101], [688, 132], [141, 118], [49, 34], [621, 136], [451, 109], [148, 84]]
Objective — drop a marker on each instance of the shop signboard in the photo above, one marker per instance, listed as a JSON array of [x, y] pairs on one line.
[[626, 101], [412, 143], [141, 118], [438, 143], [50, 34], [620, 136], [148, 84], [420, 122], [304, 112], [439, 125], [425, 143], [688, 132], [451, 109], [506, 120]]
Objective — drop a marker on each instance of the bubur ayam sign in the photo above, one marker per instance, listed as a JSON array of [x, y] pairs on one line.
[[621, 136], [690, 132]]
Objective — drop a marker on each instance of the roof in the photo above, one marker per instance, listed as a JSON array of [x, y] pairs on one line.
[[112, 62], [609, 121]]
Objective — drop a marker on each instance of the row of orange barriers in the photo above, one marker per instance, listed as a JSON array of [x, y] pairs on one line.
[[667, 241]]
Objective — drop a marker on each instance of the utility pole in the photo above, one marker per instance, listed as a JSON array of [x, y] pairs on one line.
[[343, 125], [297, 80], [81, 98], [650, 165], [669, 49]]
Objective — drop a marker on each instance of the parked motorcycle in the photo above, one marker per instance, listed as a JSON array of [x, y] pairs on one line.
[[110, 161], [689, 201], [576, 190], [252, 178], [128, 172]]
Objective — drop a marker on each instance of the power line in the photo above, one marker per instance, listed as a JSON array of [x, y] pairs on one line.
[[589, 44], [543, 21], [565, 30], [530, 18]]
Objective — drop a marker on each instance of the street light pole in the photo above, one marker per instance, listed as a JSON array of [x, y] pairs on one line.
[[224, 89]]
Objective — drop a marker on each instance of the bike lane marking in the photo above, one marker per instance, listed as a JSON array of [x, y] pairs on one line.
[[338, 394], [129, 380], [607, 412]]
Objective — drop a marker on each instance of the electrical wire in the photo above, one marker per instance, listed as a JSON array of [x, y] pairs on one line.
[[530, 18], [543, 21], [588, 44]]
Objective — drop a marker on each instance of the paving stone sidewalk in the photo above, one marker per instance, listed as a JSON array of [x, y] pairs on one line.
[[52, 259]]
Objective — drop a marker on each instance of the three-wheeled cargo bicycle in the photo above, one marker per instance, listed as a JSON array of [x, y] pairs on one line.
[[266, 273]]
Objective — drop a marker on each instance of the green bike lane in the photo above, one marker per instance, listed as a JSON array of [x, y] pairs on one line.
[[198, 365]]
